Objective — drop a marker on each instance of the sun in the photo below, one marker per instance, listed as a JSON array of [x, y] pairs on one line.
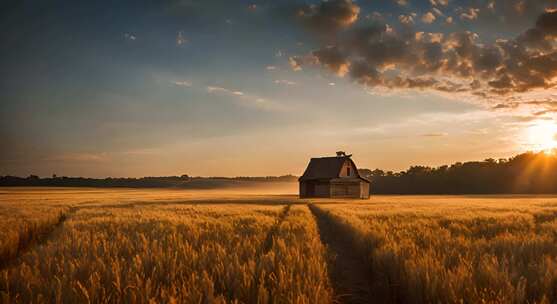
[[542, 136]]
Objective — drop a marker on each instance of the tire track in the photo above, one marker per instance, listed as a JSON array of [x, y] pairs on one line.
[[351, 279], [36, 237], [268, 242]]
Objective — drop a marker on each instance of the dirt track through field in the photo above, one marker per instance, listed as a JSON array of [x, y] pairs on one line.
[[350, 278], [268, 243], [37, 238]]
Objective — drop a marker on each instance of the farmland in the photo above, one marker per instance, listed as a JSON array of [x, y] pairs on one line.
[[69, 245]]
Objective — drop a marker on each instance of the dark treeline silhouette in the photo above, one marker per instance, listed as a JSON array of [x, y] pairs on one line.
[[528, 173], [183, 181]]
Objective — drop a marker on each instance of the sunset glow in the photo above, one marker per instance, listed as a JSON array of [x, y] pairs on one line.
[[256, 88], [542, 136]]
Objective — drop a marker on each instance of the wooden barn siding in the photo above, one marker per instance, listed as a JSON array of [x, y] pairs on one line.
[[340, 190], [322, 190], [364, 190], [303, 192], [345, 190]]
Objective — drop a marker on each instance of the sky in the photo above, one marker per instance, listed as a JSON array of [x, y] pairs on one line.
[[237, 88]]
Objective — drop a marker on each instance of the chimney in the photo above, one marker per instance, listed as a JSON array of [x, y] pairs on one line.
[[341, 154]]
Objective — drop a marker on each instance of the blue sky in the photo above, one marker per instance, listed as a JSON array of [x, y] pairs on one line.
[[229, 88]]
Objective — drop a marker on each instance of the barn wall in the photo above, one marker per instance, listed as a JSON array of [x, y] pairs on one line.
[[322, 190], [303, 191], [349, 190], [364, 190]]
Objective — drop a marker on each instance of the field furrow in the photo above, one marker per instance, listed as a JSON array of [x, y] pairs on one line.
[[351, 282], [297, 268]]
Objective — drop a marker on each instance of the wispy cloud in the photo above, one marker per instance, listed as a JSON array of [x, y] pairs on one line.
[[181, 39], [213, 89], [79, 157], [441, 134], [182, 83], [284, 82], [246, 99], [130, 36], [470, 14]]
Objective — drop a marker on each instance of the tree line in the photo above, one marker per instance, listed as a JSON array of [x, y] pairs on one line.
[[528, 173], [183, 181]]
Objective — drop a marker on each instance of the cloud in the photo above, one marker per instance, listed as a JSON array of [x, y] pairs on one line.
[[520, 7], [180, 39], [79, 157], [182, 83], [376, 16], [284, 82], [401, 2], [528, 119], [329, 16], [221, 90], [428, 18], [500, 106], [439, 2], [434, 134], [438, 12], [332, 58], [213, 89], [449, 20], [380, 56], [295, 63], [270, 68], [406, 19], [130, 36], [470, 14], [246, 99]]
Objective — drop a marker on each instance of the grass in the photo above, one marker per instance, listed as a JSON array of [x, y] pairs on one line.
[[141, 246]]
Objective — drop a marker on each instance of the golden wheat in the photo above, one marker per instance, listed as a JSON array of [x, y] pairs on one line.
[[142, 246], [464, 250], [137, 251]]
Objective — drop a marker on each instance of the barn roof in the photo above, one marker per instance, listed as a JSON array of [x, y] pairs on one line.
[[326, 168]]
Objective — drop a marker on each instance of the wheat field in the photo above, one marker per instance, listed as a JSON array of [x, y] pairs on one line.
[[170, 246]]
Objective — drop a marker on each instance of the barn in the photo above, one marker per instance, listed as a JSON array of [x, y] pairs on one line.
[[333, 177]]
